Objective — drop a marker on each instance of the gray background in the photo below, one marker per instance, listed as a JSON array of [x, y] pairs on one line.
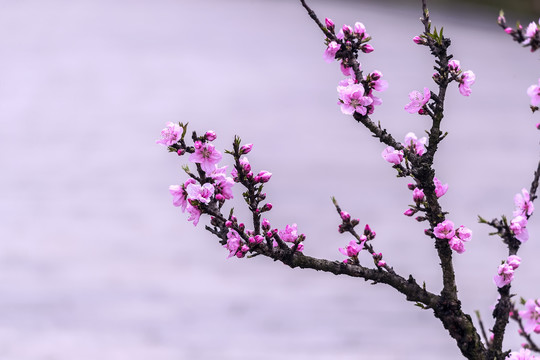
[[95, 262]]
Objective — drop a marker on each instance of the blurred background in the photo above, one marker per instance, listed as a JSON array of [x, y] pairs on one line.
[[96, 263]]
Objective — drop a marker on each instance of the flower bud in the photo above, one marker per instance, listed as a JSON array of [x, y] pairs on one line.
[[266, 207], [197, 144], [508, 30], [241, 226], [409, 212], [269, 234], [347, 30], [265, 224], [264, 176], [418, 195], [181, 152], [537, 329], [381, 263], [420, 218], [228, 223], [411, 186], [367, 48], [220, 197], [359, 28], [345, 216], [210, 135], [340, 229], [329, 25], [418, 40], [246, 149], [355, 222]]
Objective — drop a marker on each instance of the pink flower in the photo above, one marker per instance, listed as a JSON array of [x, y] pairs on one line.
[[347, 70], [179, 194], [417, 145], [440, 189], [505, 275], [352, 249], [463, 233], [444, 230], [170, 135], [457, 245], [330, 52], [524, 205], [513, 261], [531, 315], [377, 83], [531, 31], [206, 155], [222, 183], [467, 79], [290, 234], [523, 354], [233, 243], [418, 195], [352, 99], [194, 214], [453, 65], [392, 155], [534, 92], [417, 100], [200, 193], [518, 225]]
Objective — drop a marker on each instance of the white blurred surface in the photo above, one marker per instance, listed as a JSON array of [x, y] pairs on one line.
[[96, 263]]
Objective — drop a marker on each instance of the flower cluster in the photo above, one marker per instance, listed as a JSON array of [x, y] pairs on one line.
[[505, 272], [528, 37], [355, 93], [456, 237]]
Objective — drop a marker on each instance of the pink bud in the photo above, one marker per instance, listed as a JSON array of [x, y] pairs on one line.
[[265, 224], [181, 152], [520, 332], [228, 223], [508, 30], [359, 28], [411, 186], [409, 212], [264, 176], [418, 195], [210, 135], [347, 30], [220, 197], [418, 40], [241, 226], [269, 234], [267, 207], [345, 216], [246, 148], [537, 329], [197, 144], [367, 48], [329, 24], [381, 263]]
